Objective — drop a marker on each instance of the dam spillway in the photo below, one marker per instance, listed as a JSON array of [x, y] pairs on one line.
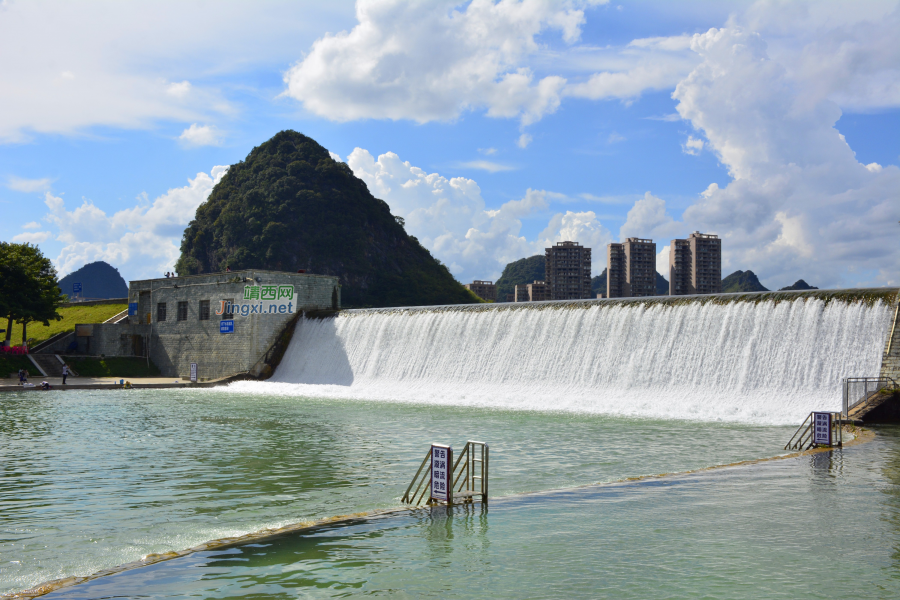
[[757, 358]]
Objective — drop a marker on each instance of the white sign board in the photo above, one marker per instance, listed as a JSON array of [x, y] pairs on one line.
[[193, 372], [822, 428], [441, 469]]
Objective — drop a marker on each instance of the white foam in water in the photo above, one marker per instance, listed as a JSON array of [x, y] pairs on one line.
[[740, 361]]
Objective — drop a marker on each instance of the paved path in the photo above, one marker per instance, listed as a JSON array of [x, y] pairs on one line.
[[99, 383]]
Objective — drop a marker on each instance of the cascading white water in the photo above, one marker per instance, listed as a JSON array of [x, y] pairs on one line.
[[760, 362]]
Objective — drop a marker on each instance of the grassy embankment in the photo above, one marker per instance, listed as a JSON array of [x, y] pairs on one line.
[[12, 364], [122, 366], [70, 316]]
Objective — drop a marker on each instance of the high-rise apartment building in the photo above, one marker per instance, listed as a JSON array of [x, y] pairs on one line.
[[695, 265], [631, 269], [533, 292], [568, 271], [486, 290], [615, 270]]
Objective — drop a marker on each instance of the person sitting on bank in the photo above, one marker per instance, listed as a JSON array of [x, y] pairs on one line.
[[65, 372], [45, 385]]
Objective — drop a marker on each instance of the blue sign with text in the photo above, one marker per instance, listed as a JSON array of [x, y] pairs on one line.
[[226, 326], [76, 288], [132, 309]]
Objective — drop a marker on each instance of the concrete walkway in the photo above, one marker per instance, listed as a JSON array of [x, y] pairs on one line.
[[109, 383]]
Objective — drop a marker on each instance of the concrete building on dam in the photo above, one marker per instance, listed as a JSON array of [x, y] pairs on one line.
[[226, 323]]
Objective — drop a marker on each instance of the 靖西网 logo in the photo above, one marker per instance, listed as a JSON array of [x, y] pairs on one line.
[[269, 300]]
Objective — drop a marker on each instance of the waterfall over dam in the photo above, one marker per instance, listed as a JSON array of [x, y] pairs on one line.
[[756, 358]]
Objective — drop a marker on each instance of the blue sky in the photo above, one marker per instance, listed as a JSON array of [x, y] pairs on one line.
[[493, 128]]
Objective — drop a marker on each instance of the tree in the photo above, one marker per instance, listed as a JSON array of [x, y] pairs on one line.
[[28, 289]]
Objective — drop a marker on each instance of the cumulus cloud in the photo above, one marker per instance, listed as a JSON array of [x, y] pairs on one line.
[[31, 225], [800, 204], [32, 237], [143, 240], [197, 135], [433, 60], [648, 218], [27, 185], [449, 216], [692, 146], [524, 140]]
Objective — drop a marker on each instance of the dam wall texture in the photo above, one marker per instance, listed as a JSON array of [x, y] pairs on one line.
[[757, 357]]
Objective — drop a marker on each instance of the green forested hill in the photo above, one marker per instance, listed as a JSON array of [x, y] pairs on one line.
[[598, 284], [520, 272], [798, 285], [290, 206], [742, 281]]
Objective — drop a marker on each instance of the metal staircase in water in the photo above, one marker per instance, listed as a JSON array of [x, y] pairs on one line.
[[467, 480], [804, 438]]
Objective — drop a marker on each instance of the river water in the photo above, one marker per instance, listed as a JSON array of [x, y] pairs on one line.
[[573, 402]]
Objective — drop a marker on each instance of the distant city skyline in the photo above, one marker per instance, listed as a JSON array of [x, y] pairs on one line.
[[494, 129]]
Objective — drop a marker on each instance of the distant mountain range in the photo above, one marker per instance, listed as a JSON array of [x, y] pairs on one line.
[[97, 279], [798, 285]]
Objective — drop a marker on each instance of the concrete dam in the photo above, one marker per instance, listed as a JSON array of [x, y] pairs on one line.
[[767, 358]]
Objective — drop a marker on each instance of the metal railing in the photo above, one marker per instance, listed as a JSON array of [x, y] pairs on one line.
[[858, 391], [468, 478], [803, 437]]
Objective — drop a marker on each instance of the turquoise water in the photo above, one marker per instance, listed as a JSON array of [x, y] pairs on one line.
[[822, 526], [94, 479]]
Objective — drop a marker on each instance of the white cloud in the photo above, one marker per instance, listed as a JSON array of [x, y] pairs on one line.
[[615, 138], [524, 140], [648, 219], [670, 118], [488, 151], [800, 204], [433, 60], [692, 146], [449, 216], [487, 165], [141, 241], [335, 156], [197, 135], [32, 237], [31, 225], [68, 67], [27, 185], [581, 227]]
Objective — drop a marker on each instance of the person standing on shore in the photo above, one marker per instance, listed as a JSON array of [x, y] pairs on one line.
[[65, 372]]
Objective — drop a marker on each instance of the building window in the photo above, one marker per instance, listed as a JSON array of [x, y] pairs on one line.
[[160, 311], [204, 310], [229, 314], [182, 311]]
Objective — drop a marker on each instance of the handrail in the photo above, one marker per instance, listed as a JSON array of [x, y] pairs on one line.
[[406, 497], [804, 436], [466, 479], [879, 384]]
